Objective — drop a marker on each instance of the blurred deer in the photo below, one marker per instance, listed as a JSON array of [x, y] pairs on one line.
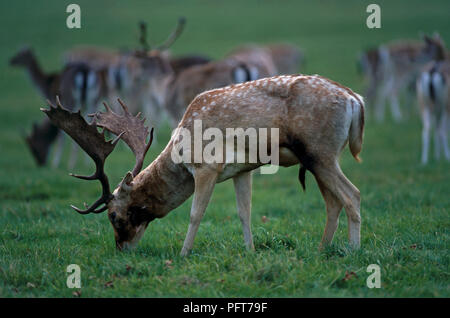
[[433, 94], [315, 118], [77, 84], [392, 68], [274, 59], [181, 89], [244, 63]]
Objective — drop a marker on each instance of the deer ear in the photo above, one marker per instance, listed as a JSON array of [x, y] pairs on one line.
[[436, 36], [126, 183]]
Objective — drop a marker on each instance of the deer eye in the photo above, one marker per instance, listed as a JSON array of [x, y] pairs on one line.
[[112, 216]]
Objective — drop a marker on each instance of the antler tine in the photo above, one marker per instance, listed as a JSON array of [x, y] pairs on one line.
[[124, 107], [88, 211], [108, 109], [140, 160], [106, 194], [92, 142], [96, 174], [174, 35], [143, 36]]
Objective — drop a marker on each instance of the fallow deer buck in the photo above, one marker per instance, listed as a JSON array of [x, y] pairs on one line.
[[315, 119], [146, 72], [78, 85], [433, 94]]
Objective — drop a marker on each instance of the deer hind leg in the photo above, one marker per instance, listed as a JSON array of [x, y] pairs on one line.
[[334, 207], [243, 189], [426, 122], [204, 179], [346, 193], [394, 102]]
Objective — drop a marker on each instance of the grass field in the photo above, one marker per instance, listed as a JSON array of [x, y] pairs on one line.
[[405, 207]]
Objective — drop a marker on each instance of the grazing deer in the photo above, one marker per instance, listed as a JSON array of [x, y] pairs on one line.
[[433, 94], [315, 118], [392, 68], [79, 86]]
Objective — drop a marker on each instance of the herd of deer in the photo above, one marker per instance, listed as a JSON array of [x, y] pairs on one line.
[[400, 68], [248, 88]]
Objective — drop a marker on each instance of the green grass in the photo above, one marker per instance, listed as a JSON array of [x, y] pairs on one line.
[[405, 207]]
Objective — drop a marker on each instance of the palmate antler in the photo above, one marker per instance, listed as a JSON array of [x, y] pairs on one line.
[[135, 132], [94, 144]]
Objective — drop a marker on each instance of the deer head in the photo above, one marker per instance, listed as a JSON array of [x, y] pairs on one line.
[[128, 226], [23, 57], [144, 70], [434, 47]]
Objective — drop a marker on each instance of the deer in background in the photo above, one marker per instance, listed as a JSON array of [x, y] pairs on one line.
[[78, 85], [315, 118], [146, 73], [274, 59], [181, 89], [433, 94], [91, 73], [288, 58], [392, 68], [245, 63]]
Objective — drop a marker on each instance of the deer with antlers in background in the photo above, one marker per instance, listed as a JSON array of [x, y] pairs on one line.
[[92, 73], [314, 117]]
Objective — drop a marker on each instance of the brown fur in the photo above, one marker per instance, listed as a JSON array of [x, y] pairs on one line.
[[315, 118]]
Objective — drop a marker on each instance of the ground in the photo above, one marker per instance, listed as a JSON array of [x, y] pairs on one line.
[[405, 207]]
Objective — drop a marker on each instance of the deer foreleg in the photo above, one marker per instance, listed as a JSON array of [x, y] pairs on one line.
[[204, 185], [243, 189]]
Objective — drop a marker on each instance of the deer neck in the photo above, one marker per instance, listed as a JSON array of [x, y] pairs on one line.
[[39, 78], [162, 186]]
